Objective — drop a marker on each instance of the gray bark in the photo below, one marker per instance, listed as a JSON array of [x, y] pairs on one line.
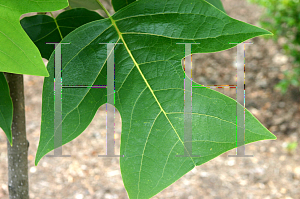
[[18, 153]]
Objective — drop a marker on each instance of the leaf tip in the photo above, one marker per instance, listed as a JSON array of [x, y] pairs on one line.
[[36, 162], [269, 33], [273, 137], [46, 74]]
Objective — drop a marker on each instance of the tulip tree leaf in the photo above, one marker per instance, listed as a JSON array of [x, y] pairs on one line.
[[18, 54], [118, 4], [44, 29], [6, 108], [217, 3], [149, 89]]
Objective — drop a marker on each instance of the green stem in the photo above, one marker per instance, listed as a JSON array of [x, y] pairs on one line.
[[107, 13], [57, 26]]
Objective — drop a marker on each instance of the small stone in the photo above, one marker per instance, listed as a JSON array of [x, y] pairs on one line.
[[230, 162], [280, 58], [297, 172], [32, 170], [283, 190], [273, 149], [282, 158], [79, 196]]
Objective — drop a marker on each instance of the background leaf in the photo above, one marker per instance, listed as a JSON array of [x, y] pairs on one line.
[[118, 4], [217, 3], [89, 4], [43, 28], [17, 52], [6, 108], [149, 89]]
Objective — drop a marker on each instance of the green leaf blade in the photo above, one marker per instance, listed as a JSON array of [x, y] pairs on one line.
[[17, 53], [217, 3], [6, 108], [75, 102], [88, 4], [28, 6], [119, 4]]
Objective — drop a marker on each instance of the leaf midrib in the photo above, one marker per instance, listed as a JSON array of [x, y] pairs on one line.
[[142, 75], [148, 85]]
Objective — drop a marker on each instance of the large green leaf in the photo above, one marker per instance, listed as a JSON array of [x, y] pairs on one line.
[[43, 29], [118, 4], [6, 108], [217, 3], [149, 89], [17, 52]]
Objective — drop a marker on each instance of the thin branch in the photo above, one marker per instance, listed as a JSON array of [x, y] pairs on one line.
[[18, 153]]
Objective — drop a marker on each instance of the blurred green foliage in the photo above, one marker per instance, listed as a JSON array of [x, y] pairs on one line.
[[291, 146], [282, 18]]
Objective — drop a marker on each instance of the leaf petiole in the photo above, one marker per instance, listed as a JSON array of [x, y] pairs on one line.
[[107, 13], [57, 26]]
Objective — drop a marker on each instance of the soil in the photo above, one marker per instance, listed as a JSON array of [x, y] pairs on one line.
[[273, 172]]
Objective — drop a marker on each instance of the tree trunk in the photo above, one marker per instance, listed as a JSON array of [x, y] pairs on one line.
[[18, 153]]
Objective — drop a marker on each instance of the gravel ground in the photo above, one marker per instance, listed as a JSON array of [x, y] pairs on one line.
[[273, 172]]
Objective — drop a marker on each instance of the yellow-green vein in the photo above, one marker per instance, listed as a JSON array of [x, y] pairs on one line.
[[57, 26]]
